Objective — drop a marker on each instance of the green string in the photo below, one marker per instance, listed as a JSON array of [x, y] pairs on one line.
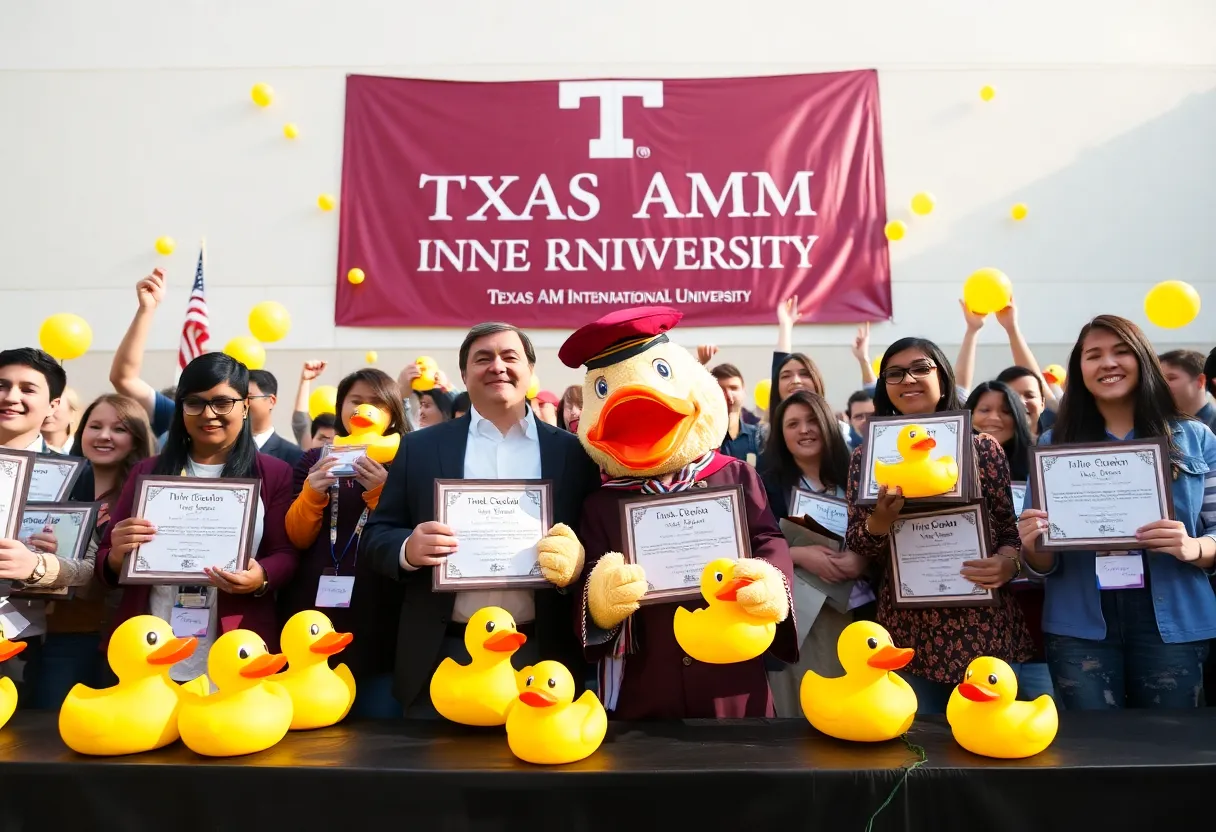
[[908, 769]]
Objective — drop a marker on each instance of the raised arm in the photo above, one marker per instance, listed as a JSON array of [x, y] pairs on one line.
[[126, 369], [1022, 356], [964, 367]]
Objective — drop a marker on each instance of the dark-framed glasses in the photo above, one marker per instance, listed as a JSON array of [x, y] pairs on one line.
[[896, 375], [221, 406]]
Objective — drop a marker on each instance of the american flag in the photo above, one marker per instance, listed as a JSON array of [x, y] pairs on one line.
[[196, 331]]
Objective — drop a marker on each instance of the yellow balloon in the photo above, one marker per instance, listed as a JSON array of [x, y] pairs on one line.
[[249, 351], [1172, 304], [427, 369], [165, 245], [262, 94], [371, 357], [290, 130], [323, 400], [763, 393], [1054, 374], [923, 203], [533, 388], [987, 93], [269, 321], [65, 336], [355, 276], [326, 202], [876, 365], [986, 291], [895, 230], [1019, 211]]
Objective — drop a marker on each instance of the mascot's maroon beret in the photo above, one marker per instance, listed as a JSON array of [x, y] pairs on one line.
[[618, 336]]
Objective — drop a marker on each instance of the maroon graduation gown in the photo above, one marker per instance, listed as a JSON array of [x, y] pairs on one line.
[[660, 680]]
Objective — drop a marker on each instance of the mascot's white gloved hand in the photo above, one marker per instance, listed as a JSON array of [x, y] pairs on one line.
[[561, 556], [614, 590], [766, 597]]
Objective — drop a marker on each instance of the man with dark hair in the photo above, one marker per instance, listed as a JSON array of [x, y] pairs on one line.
[[263, 395], [860, 409], [742, 440], [499, 438], [1185, 372], [323, 429]]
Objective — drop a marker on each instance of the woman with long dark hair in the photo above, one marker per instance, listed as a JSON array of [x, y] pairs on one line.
[[210, 437], [1131, 647], [998, 411], [916, 378], [325, 523]]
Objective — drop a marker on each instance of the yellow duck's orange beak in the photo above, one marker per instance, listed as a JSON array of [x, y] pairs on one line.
[[926, 444], [891, 657], [730, 591], [331, 643], [538, 698], [264, 665], [8, 649], [508, 641], [640, 427], [173, 651], [978, 693]]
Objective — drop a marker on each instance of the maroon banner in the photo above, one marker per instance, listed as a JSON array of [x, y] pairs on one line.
[[550, 203]]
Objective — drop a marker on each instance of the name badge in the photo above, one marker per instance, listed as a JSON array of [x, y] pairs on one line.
[[335, 590], [193, 598], [1120, 571], [187, 622]]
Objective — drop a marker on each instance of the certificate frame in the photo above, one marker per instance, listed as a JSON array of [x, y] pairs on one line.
[[1041, 455], [83, 515], [1018, 501], [733, 493], [442, 580], [75, 463], [979, 597], [15, 470], [797, 495], [134, 573], [954, 422]]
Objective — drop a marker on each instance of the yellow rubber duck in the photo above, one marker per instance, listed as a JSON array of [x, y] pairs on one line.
[[250, 713], [367, 426], [482, 691], [987, 719], [319, 696], [140, 712], [723, 633], [869, 703], [8, 691], [548, 727], [917, 475]]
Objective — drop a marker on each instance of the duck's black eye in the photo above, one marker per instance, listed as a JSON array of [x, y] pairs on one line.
[[912, 434], [601, 387], [153, 638], [243, 653], [489, 626], [872, 643], [992, 678], [528, 683], [662, 368], [718, 577], [969, 672], [552, 683], [314, 629]]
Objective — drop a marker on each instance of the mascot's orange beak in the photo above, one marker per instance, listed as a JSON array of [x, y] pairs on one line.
[[977, 693], [507, 641], [730, 592], [926, 444], [264, 665], [8, 649], [331, 643], [641, 428], [538, 698], [891, 658], [363, 417]]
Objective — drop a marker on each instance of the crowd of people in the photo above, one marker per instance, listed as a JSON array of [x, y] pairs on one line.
[[1088, 648]]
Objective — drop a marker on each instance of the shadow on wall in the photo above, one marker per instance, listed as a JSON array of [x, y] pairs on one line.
[[1123, 216]]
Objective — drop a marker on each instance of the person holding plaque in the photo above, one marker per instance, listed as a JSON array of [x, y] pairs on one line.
[[653, 418], [209, 439], [1129, 610], [935, 613], [512, 488]]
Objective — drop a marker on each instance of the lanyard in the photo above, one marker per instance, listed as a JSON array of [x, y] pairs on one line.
[[333, 530], [811, 488]]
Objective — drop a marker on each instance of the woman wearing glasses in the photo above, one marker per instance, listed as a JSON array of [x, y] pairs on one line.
[[915, 378], [210, 436]]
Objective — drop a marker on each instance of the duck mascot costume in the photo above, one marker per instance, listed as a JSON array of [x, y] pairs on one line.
[[653, 419]]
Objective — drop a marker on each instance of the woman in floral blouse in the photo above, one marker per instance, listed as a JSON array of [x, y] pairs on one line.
[[915, 377]]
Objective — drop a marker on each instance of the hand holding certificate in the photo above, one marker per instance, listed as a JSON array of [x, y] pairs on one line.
[[938, 557]]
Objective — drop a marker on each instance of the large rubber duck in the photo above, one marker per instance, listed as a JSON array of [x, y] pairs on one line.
[[869, 703], [320, 696], [548, 727], [917, 475], [140, 712], [367, 426], [987, 719], [8, 691], [724, 632], [250, 713], [484, 690]]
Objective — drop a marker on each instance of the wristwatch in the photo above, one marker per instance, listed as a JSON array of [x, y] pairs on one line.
[[260, 591], [39, 571]]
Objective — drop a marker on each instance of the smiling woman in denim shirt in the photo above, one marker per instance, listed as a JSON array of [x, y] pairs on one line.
[[1139, 648]]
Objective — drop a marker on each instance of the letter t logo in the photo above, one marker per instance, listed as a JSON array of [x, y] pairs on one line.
[[611, 143]]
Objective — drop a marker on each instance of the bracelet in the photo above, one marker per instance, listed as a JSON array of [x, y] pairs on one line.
[[1017, 566]]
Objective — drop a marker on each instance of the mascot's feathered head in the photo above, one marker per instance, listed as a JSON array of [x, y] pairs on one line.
[[649, 407]]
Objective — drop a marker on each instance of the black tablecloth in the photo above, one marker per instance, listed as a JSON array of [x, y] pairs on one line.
[[1106, 771]]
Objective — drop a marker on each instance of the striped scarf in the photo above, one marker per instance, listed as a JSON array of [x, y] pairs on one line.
[[682, 481]]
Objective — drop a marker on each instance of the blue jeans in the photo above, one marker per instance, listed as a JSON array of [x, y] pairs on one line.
[[68, 658], [932, 697], [374, 698], [1130, 668]]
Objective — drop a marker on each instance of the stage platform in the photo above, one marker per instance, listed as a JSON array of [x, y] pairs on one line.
[[1110, 770]]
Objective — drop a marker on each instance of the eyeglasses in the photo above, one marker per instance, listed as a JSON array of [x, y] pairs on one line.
[[896, 375], [222, 406]]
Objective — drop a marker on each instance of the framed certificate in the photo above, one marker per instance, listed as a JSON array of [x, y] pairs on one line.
[[199, 523], [1097, 495], [673, 537], [498, 524], [927, 553], [52, 479], [15, 470], [346, 456], [831, 513], [73, 524], [1018, 490], [950, 432]]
